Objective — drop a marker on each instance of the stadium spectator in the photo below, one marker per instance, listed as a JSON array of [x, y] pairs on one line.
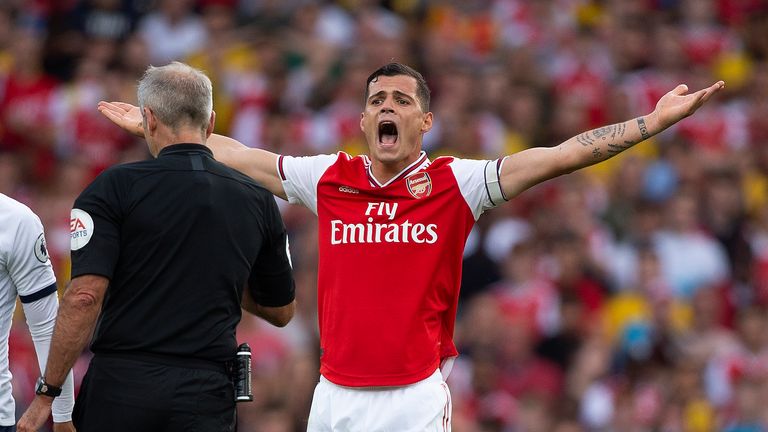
[[690, 257], [172, 31], [525, 295], [26, 107]]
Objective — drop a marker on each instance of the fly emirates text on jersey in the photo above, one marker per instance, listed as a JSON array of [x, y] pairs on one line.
[[405, 232]]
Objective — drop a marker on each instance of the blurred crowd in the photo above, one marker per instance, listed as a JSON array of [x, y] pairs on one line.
[[630, 296]]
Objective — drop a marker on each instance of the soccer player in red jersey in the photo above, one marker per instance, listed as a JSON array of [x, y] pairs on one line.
[[386, 334]]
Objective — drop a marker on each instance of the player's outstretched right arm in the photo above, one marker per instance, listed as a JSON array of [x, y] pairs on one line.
[[535, 165], [261, 165]]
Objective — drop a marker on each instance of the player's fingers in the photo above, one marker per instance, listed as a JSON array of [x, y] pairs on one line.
[[714, 88], [680, 90], [124, 106], [110, 114], [111, 107], [703, 95]]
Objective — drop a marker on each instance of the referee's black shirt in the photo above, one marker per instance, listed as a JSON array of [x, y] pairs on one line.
[[179, 237]]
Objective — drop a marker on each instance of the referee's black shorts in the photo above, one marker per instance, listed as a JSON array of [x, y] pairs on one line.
[[129, 394]]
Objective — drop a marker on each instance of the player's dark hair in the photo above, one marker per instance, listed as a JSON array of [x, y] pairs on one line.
[[395, 69]]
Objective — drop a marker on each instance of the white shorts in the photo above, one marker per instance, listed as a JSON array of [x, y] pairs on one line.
[[418, 407]]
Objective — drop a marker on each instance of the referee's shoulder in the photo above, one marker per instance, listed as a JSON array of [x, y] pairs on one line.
[[238, 177], [129, 170], [122, 177], [127, 167]]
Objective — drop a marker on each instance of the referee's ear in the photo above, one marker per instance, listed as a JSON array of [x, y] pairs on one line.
[[211, 123], [150, 120]]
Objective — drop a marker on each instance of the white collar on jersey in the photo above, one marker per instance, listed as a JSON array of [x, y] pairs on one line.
[[420, 163]]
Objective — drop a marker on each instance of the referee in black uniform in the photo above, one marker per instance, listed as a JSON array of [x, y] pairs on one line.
[[165, 252]]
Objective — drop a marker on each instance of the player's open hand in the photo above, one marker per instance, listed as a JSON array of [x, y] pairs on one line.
[[36, 415], [679, 104], [125, 115]]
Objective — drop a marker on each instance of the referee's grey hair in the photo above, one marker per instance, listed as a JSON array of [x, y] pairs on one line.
[[178, 94]]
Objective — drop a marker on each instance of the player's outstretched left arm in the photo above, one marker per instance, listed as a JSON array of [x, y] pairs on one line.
[[532, 166], [261, 165]]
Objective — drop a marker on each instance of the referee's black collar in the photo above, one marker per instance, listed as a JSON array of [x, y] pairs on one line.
[[185, 148]]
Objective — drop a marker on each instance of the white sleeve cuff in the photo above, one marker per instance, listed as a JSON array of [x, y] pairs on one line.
[[41, 317]]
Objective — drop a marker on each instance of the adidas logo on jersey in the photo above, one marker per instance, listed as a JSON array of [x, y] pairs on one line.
[[348, 189]]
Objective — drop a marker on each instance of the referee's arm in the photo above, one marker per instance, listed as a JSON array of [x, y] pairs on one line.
[[270, 292], [78, 313], [278, 316]]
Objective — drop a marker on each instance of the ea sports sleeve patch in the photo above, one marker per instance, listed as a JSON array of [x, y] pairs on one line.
[[80, 229], [95, 228]]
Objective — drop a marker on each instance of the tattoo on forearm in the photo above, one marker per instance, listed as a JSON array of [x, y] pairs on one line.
[[620, 129], [608, 141], [643, 128], [614, 149], [604, 131], [584, 139]]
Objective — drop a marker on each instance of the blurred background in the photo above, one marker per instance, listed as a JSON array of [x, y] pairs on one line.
[[627, 297]]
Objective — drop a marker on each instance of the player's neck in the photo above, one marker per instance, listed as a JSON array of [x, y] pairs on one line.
[[381, 174], [386, 171]]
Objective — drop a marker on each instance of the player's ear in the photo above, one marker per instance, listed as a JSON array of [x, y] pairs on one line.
[[426, 124], [362, 118]]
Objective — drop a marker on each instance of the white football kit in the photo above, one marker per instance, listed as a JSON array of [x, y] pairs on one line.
[[26, 273]]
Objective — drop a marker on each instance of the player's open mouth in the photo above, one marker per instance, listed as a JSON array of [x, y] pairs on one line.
[[387, 132]]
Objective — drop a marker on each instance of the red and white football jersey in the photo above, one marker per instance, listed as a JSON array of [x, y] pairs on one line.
[[390, 259]]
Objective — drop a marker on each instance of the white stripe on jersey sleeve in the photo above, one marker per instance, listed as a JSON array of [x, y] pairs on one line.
[[479, 183], [492, 173], [300, 176]]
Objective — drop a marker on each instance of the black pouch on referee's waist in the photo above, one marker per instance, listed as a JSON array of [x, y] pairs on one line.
[[240, 373]]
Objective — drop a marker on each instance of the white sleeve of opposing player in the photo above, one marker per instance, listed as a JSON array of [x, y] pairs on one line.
[[28, 263], [41, 317], [300, 176], [479, 183]]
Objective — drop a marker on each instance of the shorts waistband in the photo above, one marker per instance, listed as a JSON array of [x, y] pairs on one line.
[[169, 360], [436, 376]]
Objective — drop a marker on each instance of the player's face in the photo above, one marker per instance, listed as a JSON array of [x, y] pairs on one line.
[[393, 122]]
